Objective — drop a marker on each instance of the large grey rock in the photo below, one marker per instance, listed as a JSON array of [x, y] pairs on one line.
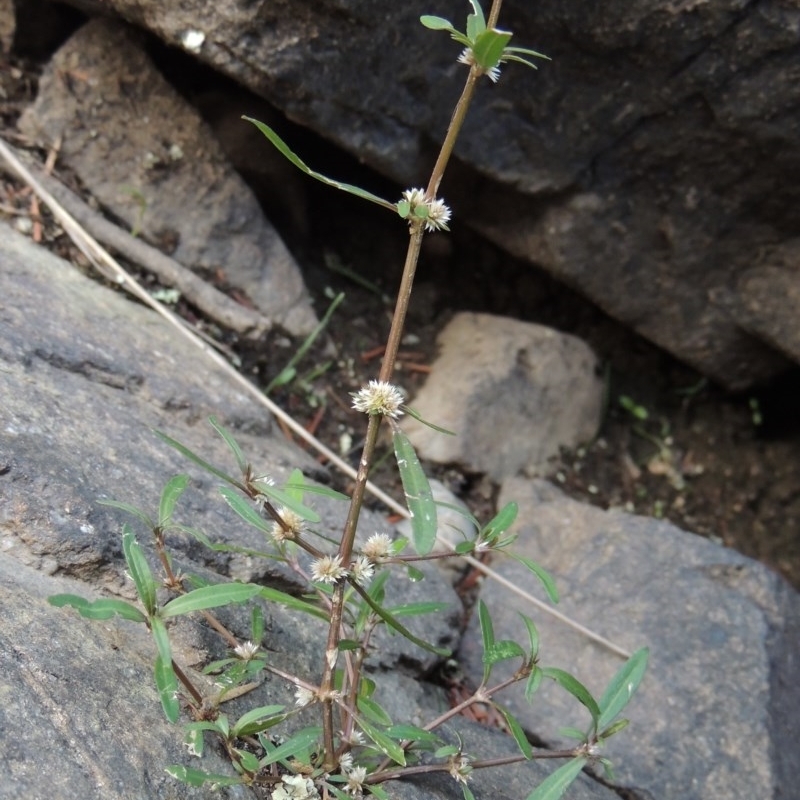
[[513, 392], [649, 165], [147, 156], [717, 705], [86, 375]]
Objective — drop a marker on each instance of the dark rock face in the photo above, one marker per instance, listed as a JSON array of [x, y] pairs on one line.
[[722, 632], [650, 165]]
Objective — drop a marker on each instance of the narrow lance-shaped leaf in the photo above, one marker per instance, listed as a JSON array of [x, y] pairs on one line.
[[419, 496], [284, 149], [127, 507], [516, 731], [541, 573], [220, 594], [256, 715], [554, 786], [622, 686], [576, 689], [286, 499], [241, 461], [139, 571], [244, 508], [169, 497], [167, 685], [487, 635], [387, 746], [501, 522], [300, 741], [98, 609], [185, 451]]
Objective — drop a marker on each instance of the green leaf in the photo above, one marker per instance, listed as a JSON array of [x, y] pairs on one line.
[[377, 791], [416, 609], [139, 570], [185, 451], [488, 48], [98, 609], [277, 596], [197, 777], [373, 711], [500, 523], [541, 573], [256, 624], [300, 741], [167, 685], [533, 683], [502, 651], [246, 761], [554, 786], [284, 149], [287, 500], [487, 636], [241, 461], [516, 731], [419, 496], [403, 208], [476, 23], [436, 23], [622, 686], [533, 635], [387, 746], [161, 637], [576, 689], [311, 488], [419, 418], [169, 497], [136, 512], [396, 625], [219, 594], [245, 509], [258, 719], [412, 733]]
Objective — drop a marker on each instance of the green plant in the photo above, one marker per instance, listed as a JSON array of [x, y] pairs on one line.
[[354, 747]]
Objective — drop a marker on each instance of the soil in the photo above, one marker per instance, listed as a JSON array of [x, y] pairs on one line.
[[671, 445]]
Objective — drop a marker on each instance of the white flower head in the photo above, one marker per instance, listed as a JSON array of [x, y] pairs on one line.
[[346, 762], [247, 651], [362, 570], [378, 546], [468, 57], [460, 768], [379, 397], [294, 526], [436, 214], [355, 780], [328, 569], [304, 697]]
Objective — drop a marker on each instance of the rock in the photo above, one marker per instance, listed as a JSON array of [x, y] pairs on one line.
[[87, 375], [647, 165], [713, 714], [146, 155], [513, 392]]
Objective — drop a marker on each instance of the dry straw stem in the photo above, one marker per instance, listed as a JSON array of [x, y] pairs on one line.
[[107, 265]]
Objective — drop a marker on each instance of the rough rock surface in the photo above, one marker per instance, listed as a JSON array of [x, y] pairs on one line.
[[86, 375], [147, 156], [715, 711], [513, 392], [648, 165]]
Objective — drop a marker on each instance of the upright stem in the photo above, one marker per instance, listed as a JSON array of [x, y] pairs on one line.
[[417, 231]]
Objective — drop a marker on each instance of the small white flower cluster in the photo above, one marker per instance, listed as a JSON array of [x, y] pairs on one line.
[[246, 651], [294, 526], [438, 213], [460, 768], [468, 57], [304, 697], [379, 397], [328, 569], [378, 546]]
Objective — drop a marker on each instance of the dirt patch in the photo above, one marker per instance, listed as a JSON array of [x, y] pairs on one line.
[[671, 445]]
